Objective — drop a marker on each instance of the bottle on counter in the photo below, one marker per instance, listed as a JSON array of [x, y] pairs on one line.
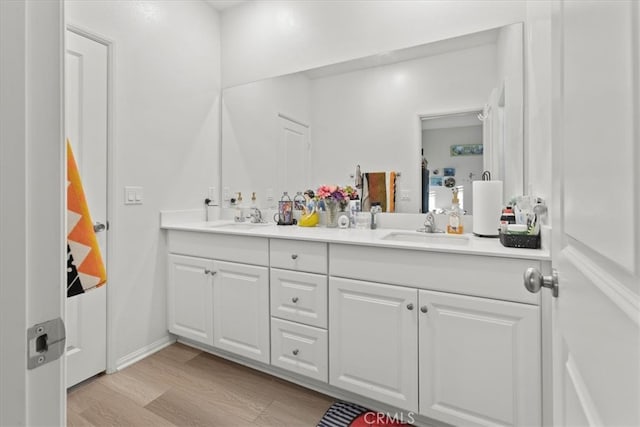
[[455, 225], [375, 210]]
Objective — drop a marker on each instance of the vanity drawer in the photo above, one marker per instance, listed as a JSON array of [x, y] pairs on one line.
[[299, 255], [301, 297], [477, 275], [224, 247], [300, 349]]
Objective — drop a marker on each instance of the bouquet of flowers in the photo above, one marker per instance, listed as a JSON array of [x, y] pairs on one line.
[[333, 194]]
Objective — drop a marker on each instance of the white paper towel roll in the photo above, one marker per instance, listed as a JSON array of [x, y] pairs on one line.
[[487, 207]]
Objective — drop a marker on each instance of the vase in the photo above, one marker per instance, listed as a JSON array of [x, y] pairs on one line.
[[331, 207]]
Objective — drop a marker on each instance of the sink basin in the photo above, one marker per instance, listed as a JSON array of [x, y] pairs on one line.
[[434, 238]]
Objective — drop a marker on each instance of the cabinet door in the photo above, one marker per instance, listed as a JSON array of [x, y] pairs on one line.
[[373, 349], [189, 298], [241, 309], [479, 360]]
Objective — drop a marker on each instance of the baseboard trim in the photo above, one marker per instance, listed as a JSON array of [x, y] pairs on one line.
[[143, 352]]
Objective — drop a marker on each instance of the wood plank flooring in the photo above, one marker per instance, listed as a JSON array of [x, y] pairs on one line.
[[182, 386]]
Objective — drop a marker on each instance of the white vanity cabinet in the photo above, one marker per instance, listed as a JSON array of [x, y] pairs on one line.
[[299, 338], [472, 359], [479, 360], [373, 341], [453, 337], [218, 291], [241, 309], [189, 297]]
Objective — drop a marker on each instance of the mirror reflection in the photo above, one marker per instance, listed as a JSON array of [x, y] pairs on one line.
[[385, 113]]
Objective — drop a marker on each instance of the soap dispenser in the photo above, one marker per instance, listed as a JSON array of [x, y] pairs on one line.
[[455, 225], [239, 215]]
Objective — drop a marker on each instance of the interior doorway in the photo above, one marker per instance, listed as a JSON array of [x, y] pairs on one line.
[[452, 158], [87, 129]]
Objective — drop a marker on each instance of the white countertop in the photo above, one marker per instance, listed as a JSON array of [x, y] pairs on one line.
[[364, 237]]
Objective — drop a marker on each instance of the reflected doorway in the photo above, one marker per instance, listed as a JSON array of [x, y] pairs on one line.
[[452, 157]]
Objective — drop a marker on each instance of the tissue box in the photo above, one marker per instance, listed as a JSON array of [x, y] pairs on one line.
[[525, 241]]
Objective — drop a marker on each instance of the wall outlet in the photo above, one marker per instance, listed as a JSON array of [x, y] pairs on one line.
[[269, 195], [405, 195], [133, 195]]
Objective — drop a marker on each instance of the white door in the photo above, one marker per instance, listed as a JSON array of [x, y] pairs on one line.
[[86, 126], [32, 212], [241, 309], [294, 153], [479, 360], [373, 346], [596, 231]]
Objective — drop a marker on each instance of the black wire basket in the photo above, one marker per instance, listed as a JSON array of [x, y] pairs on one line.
[[525, 241]]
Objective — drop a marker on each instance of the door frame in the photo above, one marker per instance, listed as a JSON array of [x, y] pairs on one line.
[[32, 177], [110, 45]]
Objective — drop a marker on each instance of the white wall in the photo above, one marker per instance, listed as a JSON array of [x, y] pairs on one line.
[[165, 138], [269, 38], [510, 72], [371, 117], [538, 94]]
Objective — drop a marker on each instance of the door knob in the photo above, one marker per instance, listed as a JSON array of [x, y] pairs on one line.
[[99, 227], [294, 256], [294, 299], [534, 281], [295, 352], [424, 309], [410, 306]]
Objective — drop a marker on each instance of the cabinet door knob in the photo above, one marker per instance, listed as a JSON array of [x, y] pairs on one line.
[[294, 256], [294, 299], [213, 272], [424, 309], [410, 306], [295, 352], [207, 271]]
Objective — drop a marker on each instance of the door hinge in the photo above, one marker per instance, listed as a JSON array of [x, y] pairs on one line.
[[45, 342]]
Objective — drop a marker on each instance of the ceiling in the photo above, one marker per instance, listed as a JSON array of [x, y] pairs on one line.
[[221, 5]]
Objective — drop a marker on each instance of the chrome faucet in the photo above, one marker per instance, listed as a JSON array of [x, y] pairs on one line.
[[430, 224]]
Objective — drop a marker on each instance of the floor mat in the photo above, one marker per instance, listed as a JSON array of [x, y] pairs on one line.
[[345, 414]]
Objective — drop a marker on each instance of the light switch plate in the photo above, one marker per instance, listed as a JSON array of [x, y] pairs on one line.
[[133, 195], [405, 195]]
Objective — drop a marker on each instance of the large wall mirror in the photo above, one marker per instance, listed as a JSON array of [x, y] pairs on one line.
[[451, 107]]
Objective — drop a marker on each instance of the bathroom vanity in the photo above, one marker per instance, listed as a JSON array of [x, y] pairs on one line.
[[386, 318]]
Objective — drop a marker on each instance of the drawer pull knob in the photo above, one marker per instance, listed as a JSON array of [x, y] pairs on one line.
[[207, 271], [213, 272], [294, 256], [294, 299], [410, 306], [295, 352], [424, 309]]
